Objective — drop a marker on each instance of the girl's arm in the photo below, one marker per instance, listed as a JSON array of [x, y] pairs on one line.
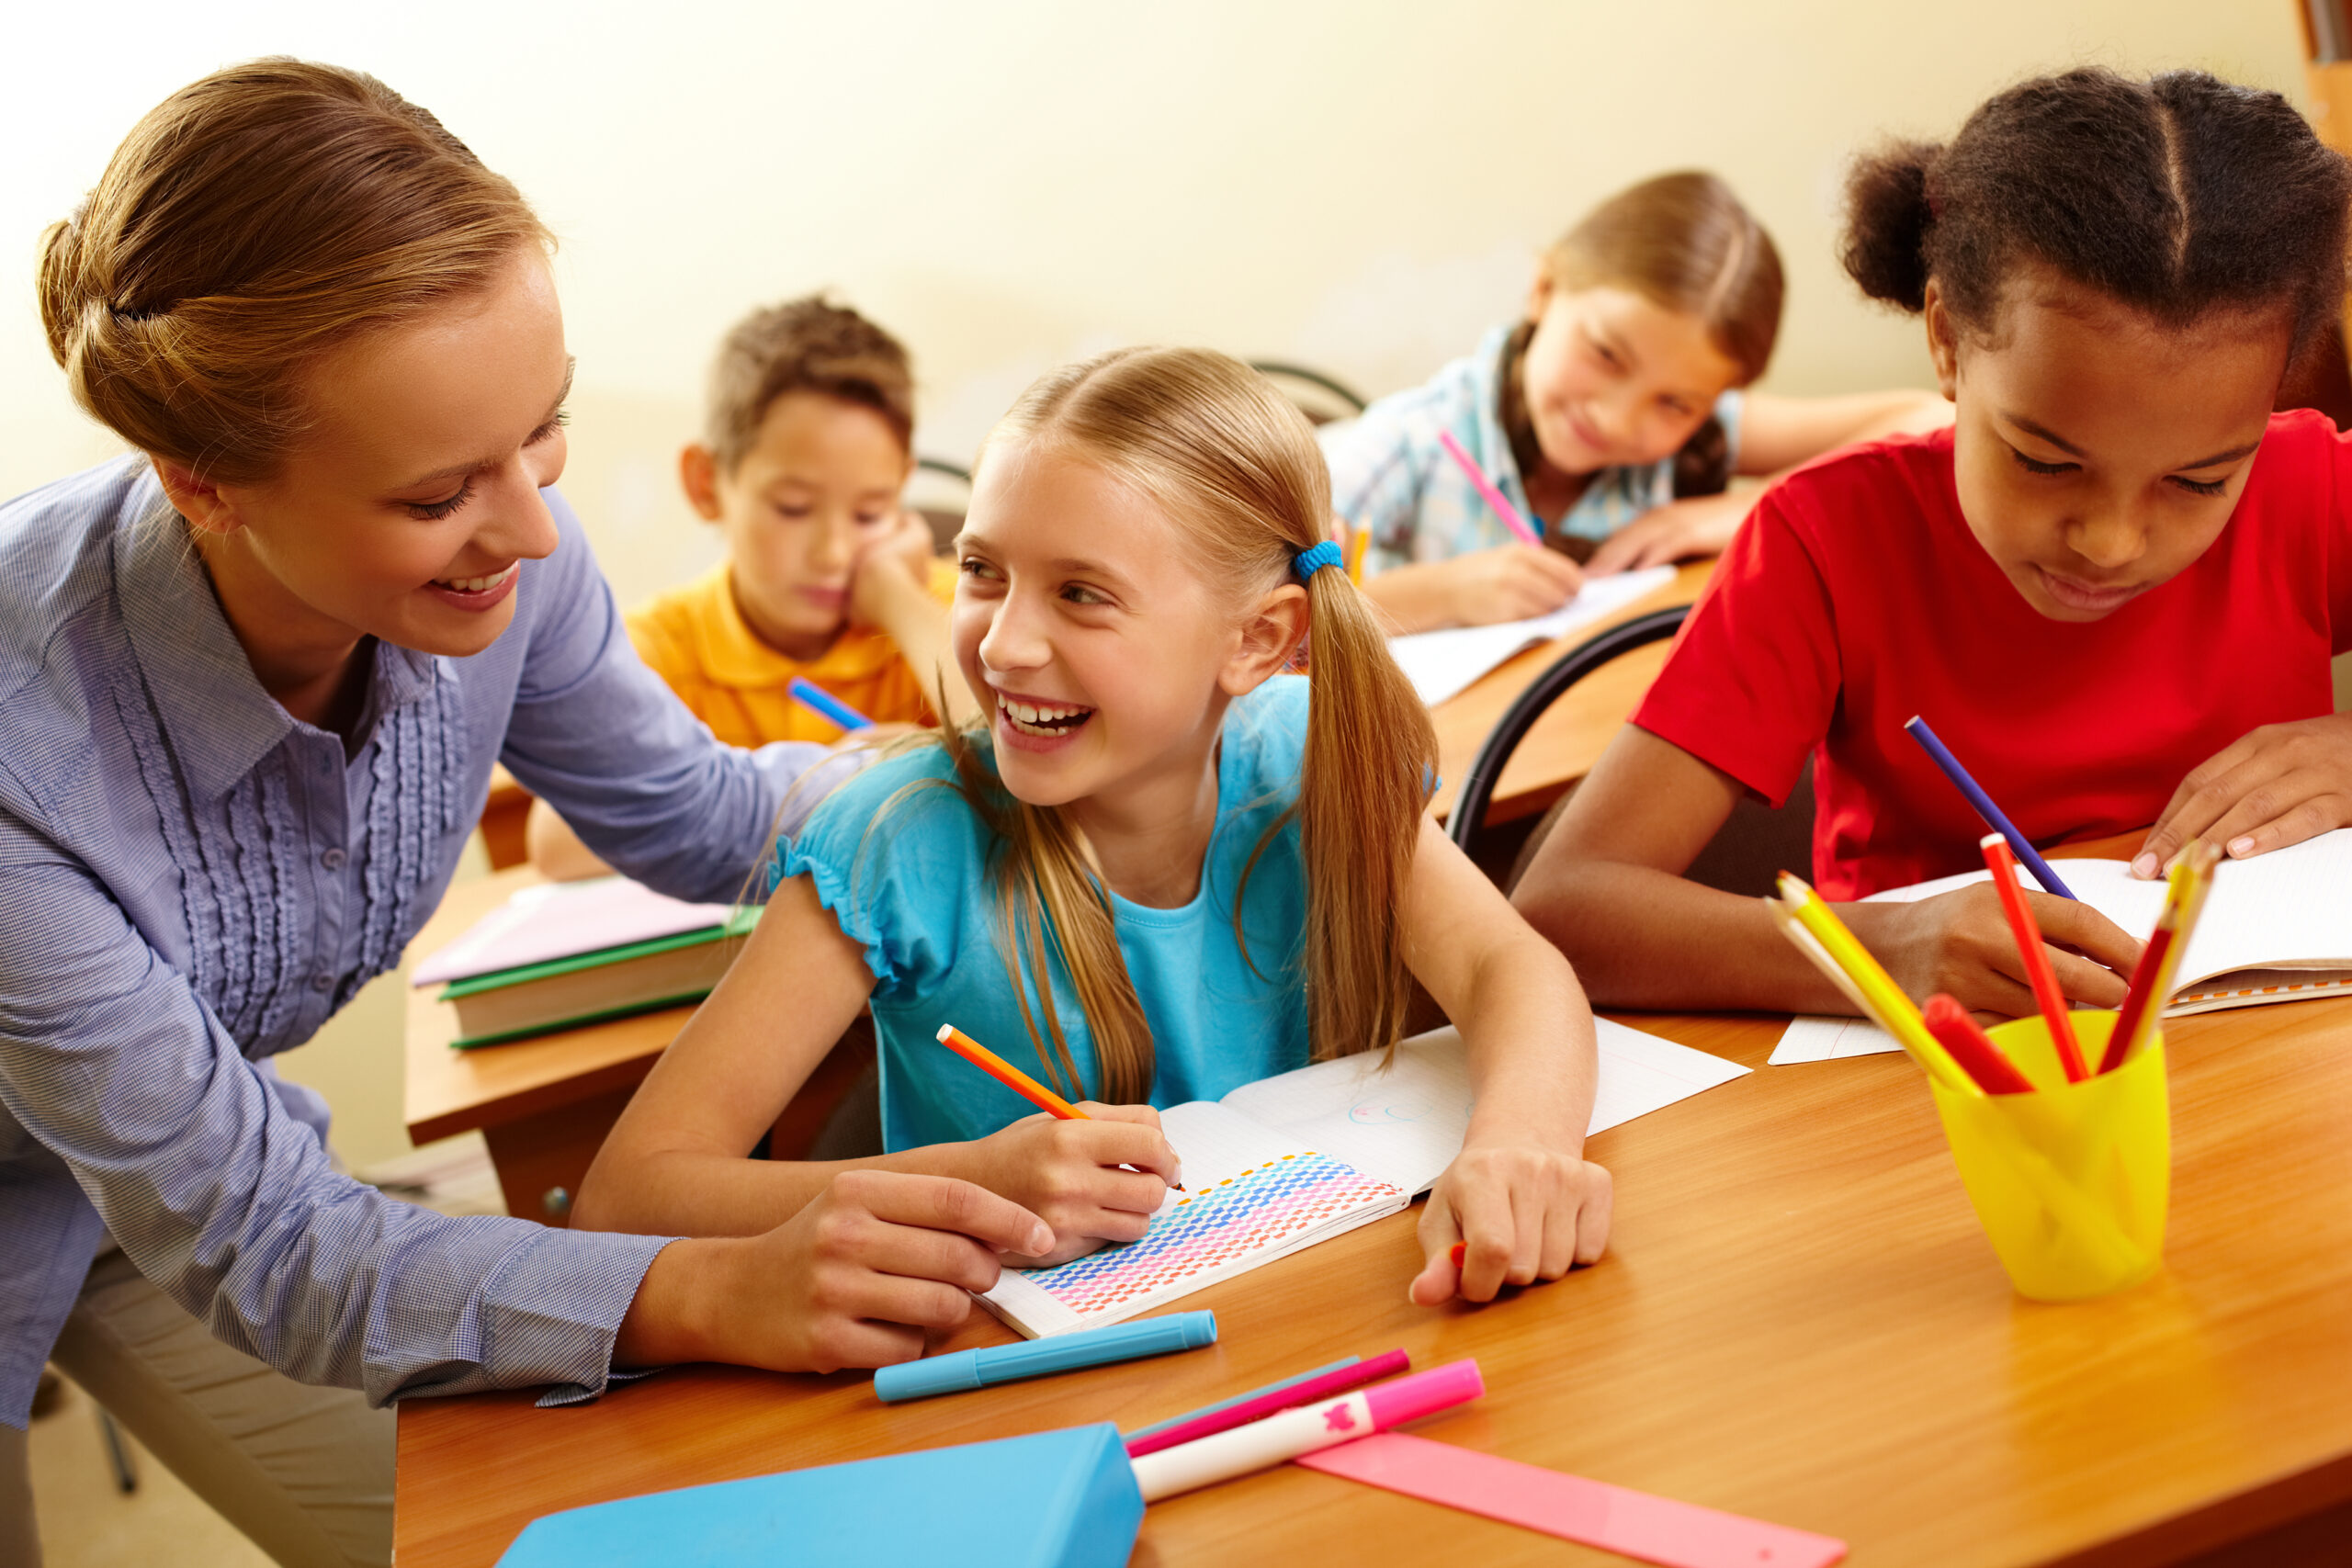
[[1777, 436], [891, 590], [675, 1162], [1780, 434], [1607, 887], [1509, 583], [1520, 1194]]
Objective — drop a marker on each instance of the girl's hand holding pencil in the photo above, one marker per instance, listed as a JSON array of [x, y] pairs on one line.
[[1097, 1177]]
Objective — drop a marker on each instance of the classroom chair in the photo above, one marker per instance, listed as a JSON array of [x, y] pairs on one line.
[[1321, 398], [1754, 845], [940, 492]]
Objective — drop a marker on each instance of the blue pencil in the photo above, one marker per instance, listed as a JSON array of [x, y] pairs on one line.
[[1990, 813], [825, 705]]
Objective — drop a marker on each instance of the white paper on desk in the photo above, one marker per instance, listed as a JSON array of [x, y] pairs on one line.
[[1442, 664], [1406, 1123]]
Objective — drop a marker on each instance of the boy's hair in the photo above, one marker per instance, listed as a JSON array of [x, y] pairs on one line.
[[2176, 195], [1685, 243], [249, 224], [804, 345], [1236, 466]]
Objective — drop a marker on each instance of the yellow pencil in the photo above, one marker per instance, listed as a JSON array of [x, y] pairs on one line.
[[1357, 539], [1894, 1010]]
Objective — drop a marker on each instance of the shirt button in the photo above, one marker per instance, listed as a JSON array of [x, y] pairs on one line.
[[321, 981], [333, 860]]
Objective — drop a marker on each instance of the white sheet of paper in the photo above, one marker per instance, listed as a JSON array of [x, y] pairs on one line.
[[1405, 1124], [1442, 664]]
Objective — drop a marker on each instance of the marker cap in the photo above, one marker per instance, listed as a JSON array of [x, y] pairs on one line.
[[1424, 1394]]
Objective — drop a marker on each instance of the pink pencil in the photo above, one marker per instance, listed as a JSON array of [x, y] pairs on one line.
[[1503, 508], [1287, 1397]]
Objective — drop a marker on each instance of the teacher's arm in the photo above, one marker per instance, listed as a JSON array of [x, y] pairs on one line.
[[597, 735], [228, 1201]]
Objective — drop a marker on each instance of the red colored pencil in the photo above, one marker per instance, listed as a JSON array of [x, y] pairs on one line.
[[1971, 1047], [2046, 994]]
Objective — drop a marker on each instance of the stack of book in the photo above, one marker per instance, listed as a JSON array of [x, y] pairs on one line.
[[561, 954]]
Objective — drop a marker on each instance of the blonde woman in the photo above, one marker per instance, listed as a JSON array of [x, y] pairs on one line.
[[1161, 865], [252, 683]]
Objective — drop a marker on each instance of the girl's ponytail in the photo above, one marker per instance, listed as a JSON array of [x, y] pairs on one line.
[[1889, 214], [1371, 764]]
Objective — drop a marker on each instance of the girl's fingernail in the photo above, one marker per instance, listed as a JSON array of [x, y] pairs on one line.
[[1041, 1242], [2240, 846], [2145, 866]]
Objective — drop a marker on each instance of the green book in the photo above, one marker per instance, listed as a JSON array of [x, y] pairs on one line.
[[588, 988]]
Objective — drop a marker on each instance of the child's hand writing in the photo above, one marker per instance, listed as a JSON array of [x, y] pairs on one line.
[[1702, 526], [1527, 1208], [1072, 1175], [1960, 942], [889, 564], [1511, 583], [2276, 787]]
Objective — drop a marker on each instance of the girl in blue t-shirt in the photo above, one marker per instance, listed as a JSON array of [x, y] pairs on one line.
[[1161, 868]]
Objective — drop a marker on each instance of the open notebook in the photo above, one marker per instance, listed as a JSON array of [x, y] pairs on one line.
[[1288, 1161], [1442, 664], [2276, 929]]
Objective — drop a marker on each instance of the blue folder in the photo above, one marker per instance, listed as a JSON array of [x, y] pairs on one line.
[[1063, 1499]]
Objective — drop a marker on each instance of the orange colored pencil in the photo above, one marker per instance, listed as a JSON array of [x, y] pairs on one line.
[[1008, 1075], [1014, 1079]]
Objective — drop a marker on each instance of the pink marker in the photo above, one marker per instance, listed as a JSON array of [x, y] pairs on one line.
[[1302, 1431], [1494, 498], [1288, 1397]]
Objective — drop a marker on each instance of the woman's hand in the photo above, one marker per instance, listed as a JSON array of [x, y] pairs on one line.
[[1960, 942], [1528, 1208], [1073, 1175], [2277, 787], [859, 1278], [1702, 526], [1511, 583]]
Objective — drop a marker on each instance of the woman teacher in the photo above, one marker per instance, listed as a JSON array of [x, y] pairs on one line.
[[253, 679]]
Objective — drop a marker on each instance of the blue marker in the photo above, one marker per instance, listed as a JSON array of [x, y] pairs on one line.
[[1986, 809], [825, 705], [967, 1370]]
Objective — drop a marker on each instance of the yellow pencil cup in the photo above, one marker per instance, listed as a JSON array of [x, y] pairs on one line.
[[2070, 1181]]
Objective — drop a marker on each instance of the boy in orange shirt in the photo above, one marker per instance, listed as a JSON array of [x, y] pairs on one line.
[[807, 442]]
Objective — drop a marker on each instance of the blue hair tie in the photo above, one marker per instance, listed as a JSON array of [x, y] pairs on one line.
[[1306, 563]]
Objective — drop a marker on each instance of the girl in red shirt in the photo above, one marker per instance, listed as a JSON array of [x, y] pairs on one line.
[[2113, 587]]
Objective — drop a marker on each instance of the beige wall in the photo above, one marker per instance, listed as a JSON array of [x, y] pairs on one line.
[[1359, 186]]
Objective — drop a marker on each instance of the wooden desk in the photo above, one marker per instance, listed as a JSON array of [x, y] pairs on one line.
[[1798, 1319], [1568, 739], [544, 1105]]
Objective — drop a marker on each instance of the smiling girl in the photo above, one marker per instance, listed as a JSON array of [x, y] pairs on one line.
[[1611, 412], [1161, 865], [2113, 586]]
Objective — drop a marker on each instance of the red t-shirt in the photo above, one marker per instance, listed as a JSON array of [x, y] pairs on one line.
[[1855, 596]]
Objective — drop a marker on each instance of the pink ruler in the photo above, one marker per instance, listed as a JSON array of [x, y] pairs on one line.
[[1591, 1513]]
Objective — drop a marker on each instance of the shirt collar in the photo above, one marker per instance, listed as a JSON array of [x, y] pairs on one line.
[[216, 717], [731, 653]]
